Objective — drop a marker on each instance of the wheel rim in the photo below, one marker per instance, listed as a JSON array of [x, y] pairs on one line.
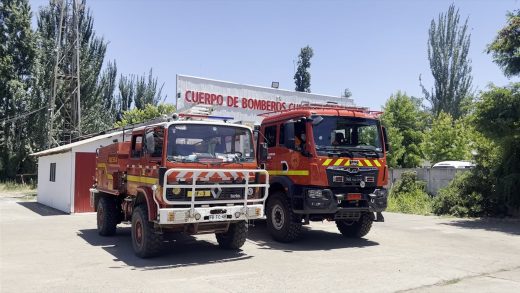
[[278, 217], [138, 233]]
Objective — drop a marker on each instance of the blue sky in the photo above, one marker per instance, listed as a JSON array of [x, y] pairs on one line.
[[372, 47]]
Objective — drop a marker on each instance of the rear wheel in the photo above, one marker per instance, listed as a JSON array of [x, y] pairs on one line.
[[145, 240], [107, 216], [235, 236], [283, 224], [356, 229]]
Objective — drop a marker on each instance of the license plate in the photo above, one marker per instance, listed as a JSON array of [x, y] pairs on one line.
[[200, 193], [217, 217]]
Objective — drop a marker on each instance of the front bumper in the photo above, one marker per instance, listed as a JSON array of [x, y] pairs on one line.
[[210, 214], [331, 203]]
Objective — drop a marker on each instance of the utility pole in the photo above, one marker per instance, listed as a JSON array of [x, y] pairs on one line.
[[64, 120]]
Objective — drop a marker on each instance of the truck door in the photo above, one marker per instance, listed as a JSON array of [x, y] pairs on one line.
[[153, 151], [269, 137], [293, 152]]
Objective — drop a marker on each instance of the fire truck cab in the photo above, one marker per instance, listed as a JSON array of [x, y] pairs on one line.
[[325, 163], [189, 174]]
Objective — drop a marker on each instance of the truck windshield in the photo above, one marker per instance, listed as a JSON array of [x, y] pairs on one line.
[[347, 134], [209, 143]]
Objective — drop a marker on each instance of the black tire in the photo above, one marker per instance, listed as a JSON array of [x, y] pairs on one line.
[[235, 236], [145, 240], [283, 224], [107, 216], [356, 229]]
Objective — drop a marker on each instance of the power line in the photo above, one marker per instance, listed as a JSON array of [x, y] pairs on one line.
[[6, 120]]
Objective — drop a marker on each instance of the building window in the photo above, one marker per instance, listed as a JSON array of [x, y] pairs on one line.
[[53, 172]]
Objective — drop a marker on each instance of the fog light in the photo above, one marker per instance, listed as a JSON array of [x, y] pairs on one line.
[[314, 193], [171, 216], [258, 212], [197, 216], [237, 215]]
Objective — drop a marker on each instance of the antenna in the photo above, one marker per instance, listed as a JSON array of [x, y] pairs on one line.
[[64, 119]]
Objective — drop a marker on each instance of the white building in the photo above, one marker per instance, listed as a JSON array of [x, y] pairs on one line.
[[244, 102], [65, 173]]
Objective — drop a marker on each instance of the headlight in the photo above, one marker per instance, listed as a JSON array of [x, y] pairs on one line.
[[315, 193], [176, 191], [250, 191]]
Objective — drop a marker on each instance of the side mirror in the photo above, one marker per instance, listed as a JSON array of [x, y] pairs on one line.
[[385, 138], [288, 128], [263, 152], [316, 119]]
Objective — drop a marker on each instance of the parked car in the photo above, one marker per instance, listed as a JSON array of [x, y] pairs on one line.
[[454, 165]]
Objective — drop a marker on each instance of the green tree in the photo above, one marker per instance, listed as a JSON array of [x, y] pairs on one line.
[[447, 140], [96, 85], [148, 112], [506, 46], [147, 92], [498, 118], [448, 47], [17, 57], [405, 123], [302, 77]]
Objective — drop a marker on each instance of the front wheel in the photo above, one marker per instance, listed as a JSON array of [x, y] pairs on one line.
[[282, 223], [145, 240], [355, 229], [234, 237]]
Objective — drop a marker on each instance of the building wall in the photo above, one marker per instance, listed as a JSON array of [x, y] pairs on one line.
[[88, 148], [435, 178], [56, 194]]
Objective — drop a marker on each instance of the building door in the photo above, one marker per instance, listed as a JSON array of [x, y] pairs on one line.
[[84, 179]]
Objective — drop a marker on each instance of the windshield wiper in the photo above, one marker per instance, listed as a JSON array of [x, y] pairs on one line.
[[337, 151]]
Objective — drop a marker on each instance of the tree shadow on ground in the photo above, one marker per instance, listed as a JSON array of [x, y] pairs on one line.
[[179, 250], [310, 240], [41, 209], [507, 226]]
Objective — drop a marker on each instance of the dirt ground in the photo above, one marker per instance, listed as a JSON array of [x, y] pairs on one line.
[[44, 250]]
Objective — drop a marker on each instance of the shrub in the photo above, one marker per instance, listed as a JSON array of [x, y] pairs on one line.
[[460, 198], [408, 196]]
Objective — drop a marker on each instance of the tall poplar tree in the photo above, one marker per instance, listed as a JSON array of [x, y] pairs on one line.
[[448, 47]]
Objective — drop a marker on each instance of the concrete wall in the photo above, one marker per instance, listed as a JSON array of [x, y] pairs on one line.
[[56, 194], [435, 178]]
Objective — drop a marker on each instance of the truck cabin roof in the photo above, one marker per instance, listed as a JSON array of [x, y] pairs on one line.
[[324, 111]]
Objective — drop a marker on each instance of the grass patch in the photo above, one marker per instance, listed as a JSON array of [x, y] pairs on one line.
[[13, 187], [408, 196]]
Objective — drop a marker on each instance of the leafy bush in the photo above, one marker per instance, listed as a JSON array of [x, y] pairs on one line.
[[408, 196], [459, 198]]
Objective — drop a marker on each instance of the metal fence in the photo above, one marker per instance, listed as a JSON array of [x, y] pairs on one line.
[[435, 178]]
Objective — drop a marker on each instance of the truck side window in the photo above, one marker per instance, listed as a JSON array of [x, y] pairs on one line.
[[154, 142], [137, 146], [270, 135], [281, 136], [300, 135]]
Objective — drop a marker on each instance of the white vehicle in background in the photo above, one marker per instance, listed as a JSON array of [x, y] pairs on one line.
[[454, 165]]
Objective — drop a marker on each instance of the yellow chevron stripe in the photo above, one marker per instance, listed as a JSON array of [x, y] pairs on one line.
[[289, 173], [327, 162], [360, 164], [367, 162], [142, 179], [347, 163], [377, 163], [338, 162]]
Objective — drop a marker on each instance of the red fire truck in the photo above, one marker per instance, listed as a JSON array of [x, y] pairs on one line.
[[190, 174], [326, 163]]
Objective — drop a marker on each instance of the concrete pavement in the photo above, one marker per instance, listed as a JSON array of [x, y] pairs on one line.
[[42, 250]]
